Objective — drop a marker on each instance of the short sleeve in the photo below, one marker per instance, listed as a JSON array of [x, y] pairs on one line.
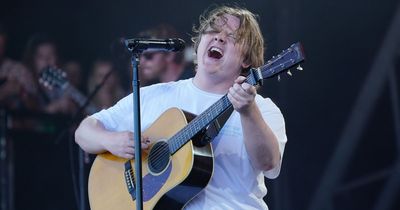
[[112, 117], [274, 119]]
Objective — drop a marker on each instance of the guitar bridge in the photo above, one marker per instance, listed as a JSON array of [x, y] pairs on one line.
[[130, 179]]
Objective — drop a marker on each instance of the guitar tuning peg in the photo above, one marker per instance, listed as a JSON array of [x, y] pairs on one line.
[[279, 78], [299, 68], [289, 73]]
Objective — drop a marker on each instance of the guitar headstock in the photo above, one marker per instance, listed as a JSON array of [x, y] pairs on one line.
[[53, 78], [287, 59]]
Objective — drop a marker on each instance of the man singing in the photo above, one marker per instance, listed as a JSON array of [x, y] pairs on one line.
[[250, 146]]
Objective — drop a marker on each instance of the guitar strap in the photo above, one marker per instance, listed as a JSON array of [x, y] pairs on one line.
[[213, 129]]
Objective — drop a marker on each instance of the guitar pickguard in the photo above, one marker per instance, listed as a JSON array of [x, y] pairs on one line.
[[152, 184]]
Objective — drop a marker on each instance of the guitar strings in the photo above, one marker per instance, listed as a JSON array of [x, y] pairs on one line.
[[158, 153], [157, 156], [219, 106], [159, 162]]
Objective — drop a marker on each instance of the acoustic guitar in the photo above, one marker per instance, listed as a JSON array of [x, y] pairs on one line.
[[179, 164], [55, 78]]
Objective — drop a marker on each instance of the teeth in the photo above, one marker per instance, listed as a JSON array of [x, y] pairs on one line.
[[216, 49]]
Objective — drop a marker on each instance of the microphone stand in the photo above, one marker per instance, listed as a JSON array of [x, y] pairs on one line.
[[137, 128], [136, 47]]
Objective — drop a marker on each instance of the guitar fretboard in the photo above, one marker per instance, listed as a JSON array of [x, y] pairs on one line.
[[203, 120], [198, 123]]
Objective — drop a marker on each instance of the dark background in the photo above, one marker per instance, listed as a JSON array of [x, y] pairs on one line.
[[341, 39]]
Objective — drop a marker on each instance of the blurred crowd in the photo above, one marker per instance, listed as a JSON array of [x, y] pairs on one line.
[[24, 87]]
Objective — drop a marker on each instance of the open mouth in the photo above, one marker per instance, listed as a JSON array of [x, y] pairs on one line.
[[215, 53]]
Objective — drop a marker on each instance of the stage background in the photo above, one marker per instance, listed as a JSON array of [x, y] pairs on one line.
[[342, 40]]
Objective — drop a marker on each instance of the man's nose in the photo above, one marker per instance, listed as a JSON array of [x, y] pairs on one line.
[[220, 37]]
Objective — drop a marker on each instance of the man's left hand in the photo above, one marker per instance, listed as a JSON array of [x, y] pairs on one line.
[[242, 95]]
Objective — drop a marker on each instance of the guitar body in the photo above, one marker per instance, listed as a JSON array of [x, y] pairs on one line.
[[186, 174]]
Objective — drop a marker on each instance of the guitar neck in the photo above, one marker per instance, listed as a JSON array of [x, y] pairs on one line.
[[285, 60], [202, 121], [79, 98], [198, 124]]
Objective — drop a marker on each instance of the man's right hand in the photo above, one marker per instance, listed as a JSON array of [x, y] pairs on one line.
[[122, 144], [93, 138]]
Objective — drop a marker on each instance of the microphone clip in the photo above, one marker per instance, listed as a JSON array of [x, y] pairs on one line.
[[137, 45]]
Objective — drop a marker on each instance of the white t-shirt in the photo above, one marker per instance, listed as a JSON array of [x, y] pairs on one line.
[[235, 183]]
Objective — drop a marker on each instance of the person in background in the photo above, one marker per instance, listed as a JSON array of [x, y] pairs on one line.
[[73, 69], [111, 91], [156, 66], [17, 86], [41, 53]]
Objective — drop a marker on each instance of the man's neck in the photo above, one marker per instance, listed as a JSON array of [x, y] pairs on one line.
[[212, 84]]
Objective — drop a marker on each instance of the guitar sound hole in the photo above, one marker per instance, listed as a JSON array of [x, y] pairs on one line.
[[158, 157]]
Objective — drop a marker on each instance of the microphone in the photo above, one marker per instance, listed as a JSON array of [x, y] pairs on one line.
[[140, 45]]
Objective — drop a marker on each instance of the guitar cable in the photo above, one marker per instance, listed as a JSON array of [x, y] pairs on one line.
[[75, 183]]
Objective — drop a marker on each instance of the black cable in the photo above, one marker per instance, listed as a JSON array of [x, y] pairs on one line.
[[73, 171]]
